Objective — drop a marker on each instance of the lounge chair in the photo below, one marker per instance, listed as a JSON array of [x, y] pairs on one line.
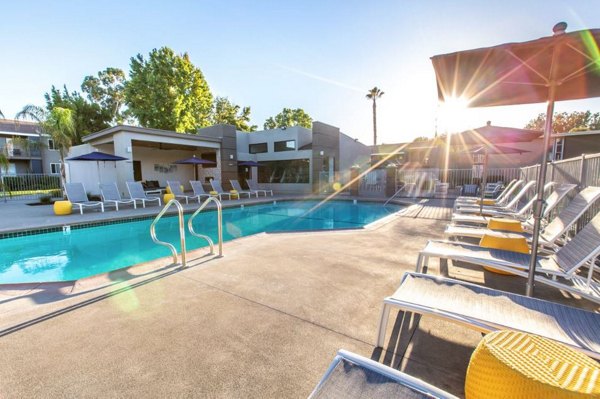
[[440, 190], [198, 190], [510, 205], [553, 231], [559, 269], [78, 197], [216, 186], [137, 193], [492, 190], [508, 190], [353, 376], [469, 191], [112, 196], [253, 186], [486, 309], [175, 187], [237, 187], [522, 214]]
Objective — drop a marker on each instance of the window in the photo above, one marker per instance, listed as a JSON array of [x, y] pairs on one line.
[[258, 148], [51, 144], [289, 145], [55, 168], [290, 171]]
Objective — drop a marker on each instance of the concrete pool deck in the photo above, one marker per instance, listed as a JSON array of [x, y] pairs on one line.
[[263, 321]]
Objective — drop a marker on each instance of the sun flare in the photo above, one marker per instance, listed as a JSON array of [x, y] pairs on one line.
[[452, 114]]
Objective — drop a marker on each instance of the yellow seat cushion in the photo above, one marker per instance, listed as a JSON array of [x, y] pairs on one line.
[[515, 244], [63, 208], [168, 197], [505, 225], [511, 364], [486, 201]]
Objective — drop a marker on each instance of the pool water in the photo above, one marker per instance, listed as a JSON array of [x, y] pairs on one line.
[[59, 256]]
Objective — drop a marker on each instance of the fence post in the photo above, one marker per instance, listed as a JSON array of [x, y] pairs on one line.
[[582, 172], [552, 170]]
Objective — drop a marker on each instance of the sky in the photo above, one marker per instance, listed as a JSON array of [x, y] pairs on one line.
[[321, 56]]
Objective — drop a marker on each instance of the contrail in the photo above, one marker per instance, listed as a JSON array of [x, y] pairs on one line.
[[321, 78]]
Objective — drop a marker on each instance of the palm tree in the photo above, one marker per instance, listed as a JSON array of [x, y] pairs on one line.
[[59, 124], [374, 94]]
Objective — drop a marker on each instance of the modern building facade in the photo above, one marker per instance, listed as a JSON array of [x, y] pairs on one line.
[[28, 150]]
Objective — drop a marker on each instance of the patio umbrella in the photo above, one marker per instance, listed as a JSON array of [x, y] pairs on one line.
[[195, 161], [248, 163], [565, 66], [97, 156]]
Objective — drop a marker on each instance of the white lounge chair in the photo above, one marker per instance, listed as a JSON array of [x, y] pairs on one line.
[[237, 187], [253, 186], [216, 186], [522, 214], [511, 205], [559, 226], [440, 190], [352, 376], [486, 309], [112, 196], [198, 190], [78, 197], [175, 187], [561, 269], [137, 193], [508, 190]]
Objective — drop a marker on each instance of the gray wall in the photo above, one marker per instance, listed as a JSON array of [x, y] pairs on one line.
[[326, 138], [352, 153], [577, 145], [228, 135], [48, 156]]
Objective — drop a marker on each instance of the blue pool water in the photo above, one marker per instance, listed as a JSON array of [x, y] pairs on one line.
[[84, 252]]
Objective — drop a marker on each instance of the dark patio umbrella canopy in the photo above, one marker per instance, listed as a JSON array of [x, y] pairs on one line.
[[97, 156], [248, 163], [194, 161], [565, 66]]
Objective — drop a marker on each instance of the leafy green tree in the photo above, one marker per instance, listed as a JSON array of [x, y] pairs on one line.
[[58, 123], [107, 90], [224, 111], [373, 95], [563, 122], [87, 117], [289, 117], [167, 91]]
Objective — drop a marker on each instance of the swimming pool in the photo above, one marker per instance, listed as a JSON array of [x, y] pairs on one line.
[[79, 253]]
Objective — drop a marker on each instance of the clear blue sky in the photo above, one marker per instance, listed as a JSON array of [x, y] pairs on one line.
[[318, 55]]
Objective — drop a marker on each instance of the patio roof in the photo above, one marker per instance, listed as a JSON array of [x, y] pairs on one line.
[[147, 131]]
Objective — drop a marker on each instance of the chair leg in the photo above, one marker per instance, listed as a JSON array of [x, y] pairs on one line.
[[419, 263], [383, 321]]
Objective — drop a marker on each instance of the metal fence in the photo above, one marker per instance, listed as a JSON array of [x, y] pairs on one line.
[[454, 177], [31, 186], [372, 184]]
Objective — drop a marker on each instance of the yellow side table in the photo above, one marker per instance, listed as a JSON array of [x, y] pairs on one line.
[[510, 364], [63, 208], [214, 193], [234, 194], [168, 197]]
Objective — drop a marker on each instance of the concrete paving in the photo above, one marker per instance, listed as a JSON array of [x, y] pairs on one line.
[[263, 321]]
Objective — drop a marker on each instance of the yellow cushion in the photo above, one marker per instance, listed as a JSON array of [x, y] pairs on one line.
[[168, 197], [515, 244], [63, 208], [505, 224], [510, 364], [486, 201]]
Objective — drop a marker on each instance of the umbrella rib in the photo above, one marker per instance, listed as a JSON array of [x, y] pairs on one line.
[[526, 65]]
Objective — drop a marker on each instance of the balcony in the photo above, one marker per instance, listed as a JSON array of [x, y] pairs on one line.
[[18, 152]]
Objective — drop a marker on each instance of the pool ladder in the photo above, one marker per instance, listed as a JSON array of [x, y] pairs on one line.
[[190, 227]]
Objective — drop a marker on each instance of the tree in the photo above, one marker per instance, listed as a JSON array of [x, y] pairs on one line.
[[108, 92], [87, 117], [289, 117], [564, 122], [224, 111], [167, 91], [374, 94], [58, 123]]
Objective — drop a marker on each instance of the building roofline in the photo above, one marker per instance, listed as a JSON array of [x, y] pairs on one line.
[[146, 130], [572, 134]]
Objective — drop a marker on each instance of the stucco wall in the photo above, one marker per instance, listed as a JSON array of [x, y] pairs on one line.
[[351, 153]]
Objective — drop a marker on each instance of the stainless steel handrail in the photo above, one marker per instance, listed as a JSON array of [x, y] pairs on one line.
[[219, 225], [395, 194], [181, 231]]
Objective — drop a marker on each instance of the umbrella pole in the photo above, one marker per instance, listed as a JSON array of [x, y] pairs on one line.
[[539, 202]]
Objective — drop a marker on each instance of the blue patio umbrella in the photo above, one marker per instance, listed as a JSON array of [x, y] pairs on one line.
[[98, 156], [248, 163], [194, 161]]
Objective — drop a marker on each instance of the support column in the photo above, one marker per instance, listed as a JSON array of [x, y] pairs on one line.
[[122, 148]]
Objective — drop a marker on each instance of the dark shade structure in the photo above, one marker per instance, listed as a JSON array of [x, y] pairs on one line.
[[248, 163], [495, 134], [194, 161], [565, 66]]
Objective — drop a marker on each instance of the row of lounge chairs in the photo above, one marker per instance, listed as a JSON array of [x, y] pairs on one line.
[[562, 265], [111, 196]]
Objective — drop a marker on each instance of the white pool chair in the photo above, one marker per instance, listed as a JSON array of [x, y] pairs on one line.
[[253, 186], [351, 376], [216, 186], [237, 187], [198, 190], [137, 193], [508, 190], [78, 198], [486, 310], [111, 196], [562, 269], [175, 187], [511, 204]]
